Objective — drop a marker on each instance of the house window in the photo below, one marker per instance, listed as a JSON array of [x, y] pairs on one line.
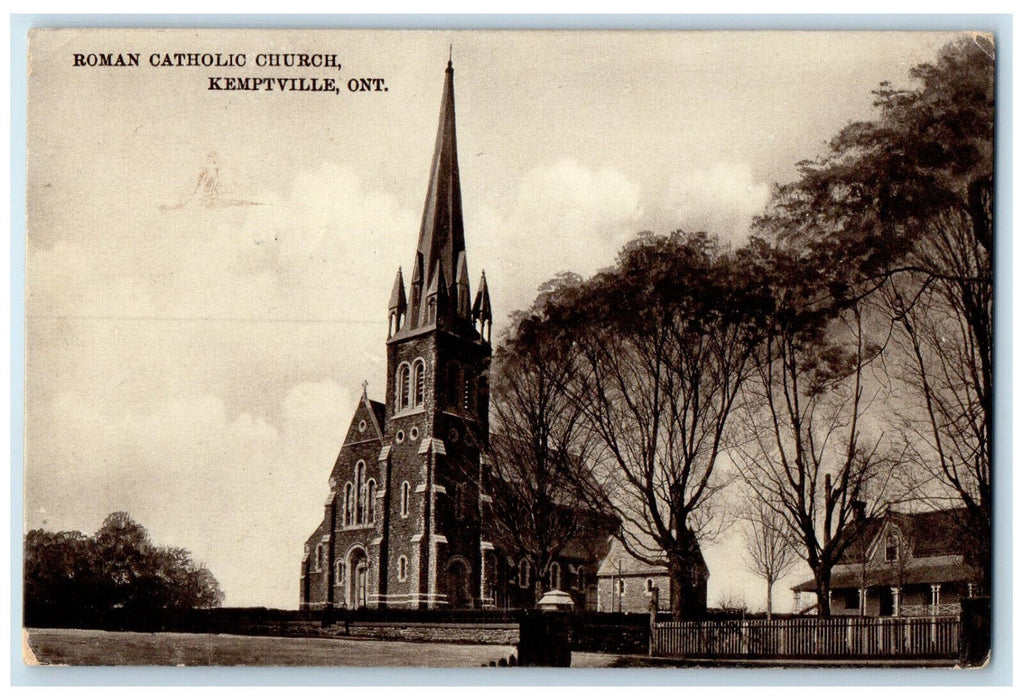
[[555, 577], [402, 568], [419, 375], [404, 498], [524, 574], [580, 580], [891, 548], [403, 387]]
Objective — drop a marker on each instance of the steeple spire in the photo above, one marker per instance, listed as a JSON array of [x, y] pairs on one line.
[[442, 235]]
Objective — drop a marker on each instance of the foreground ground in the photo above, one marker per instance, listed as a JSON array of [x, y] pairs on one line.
[[99, 648]]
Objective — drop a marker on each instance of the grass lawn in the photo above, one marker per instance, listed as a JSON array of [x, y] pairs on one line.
[[98, 648]]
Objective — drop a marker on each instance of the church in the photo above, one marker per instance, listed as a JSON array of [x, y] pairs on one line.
[[405, 522]]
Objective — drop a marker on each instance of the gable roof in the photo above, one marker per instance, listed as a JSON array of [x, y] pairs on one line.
[[926, 534], [931, 538], [619, 561]]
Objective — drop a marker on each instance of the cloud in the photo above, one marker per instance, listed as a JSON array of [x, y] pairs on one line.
[[240, 492], [565, 216], [721, 200]]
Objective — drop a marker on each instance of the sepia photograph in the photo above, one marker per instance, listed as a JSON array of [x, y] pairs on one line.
[[466, 348]]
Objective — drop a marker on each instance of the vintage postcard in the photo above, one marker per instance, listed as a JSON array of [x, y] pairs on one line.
[[518, 348]]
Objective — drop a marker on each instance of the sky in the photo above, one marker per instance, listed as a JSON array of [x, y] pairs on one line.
[[208, 271]]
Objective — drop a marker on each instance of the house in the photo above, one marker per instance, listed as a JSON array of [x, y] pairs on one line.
[[902, 565], [407, 522], [626, 584]]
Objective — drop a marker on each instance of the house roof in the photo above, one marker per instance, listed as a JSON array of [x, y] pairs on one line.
[[940, 569], [620, 562], [926, 534], [931, 539]]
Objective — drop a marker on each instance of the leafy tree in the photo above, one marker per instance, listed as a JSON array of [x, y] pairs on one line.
[[664, 341], [540, 444], [70, 576]]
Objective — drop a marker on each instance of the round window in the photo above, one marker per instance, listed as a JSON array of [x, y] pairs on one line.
[[362, 426], [413, 434], [399, 436], [453, 435]]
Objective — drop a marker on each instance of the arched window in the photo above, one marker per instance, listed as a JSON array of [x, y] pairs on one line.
[[319, 556], [581, 579], [349, 504], [649, 585], [555, 577], [404, 498], [339, 572], [403, 386], [402, 568], [360, 491], [419, 377], [371, 498], [524, 573]]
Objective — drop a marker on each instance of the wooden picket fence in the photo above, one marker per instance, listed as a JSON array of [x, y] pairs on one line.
[[809, 638]]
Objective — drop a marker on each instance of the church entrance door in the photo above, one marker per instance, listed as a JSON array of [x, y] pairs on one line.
[[357, 565], [458, 590]]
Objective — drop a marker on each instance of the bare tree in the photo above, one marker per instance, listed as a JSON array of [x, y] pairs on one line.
[[664, 343], [805, 452], [769, 552], [942, 316]]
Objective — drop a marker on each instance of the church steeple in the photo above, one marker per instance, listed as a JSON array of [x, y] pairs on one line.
[[441, 234]]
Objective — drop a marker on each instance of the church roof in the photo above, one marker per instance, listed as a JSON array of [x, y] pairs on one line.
[[441, 234]]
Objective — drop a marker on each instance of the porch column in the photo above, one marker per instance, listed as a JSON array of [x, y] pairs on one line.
[[863, 602], [829, 600], [935, 597], [896, 608], [969, 590]]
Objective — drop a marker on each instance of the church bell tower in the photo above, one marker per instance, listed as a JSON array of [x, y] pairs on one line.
[[436, 429]]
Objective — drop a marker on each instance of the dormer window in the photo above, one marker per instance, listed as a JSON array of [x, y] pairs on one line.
[[891, 547]]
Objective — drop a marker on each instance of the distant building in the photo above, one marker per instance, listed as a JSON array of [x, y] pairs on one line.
[[406, 523], [625, 584], [901, 564]]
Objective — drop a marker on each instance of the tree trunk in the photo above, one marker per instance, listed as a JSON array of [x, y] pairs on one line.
[[823, 582], [770, 606]]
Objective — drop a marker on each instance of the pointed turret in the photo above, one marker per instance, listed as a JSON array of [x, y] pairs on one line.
[[442, 235], [481, 311], [397, 307]]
